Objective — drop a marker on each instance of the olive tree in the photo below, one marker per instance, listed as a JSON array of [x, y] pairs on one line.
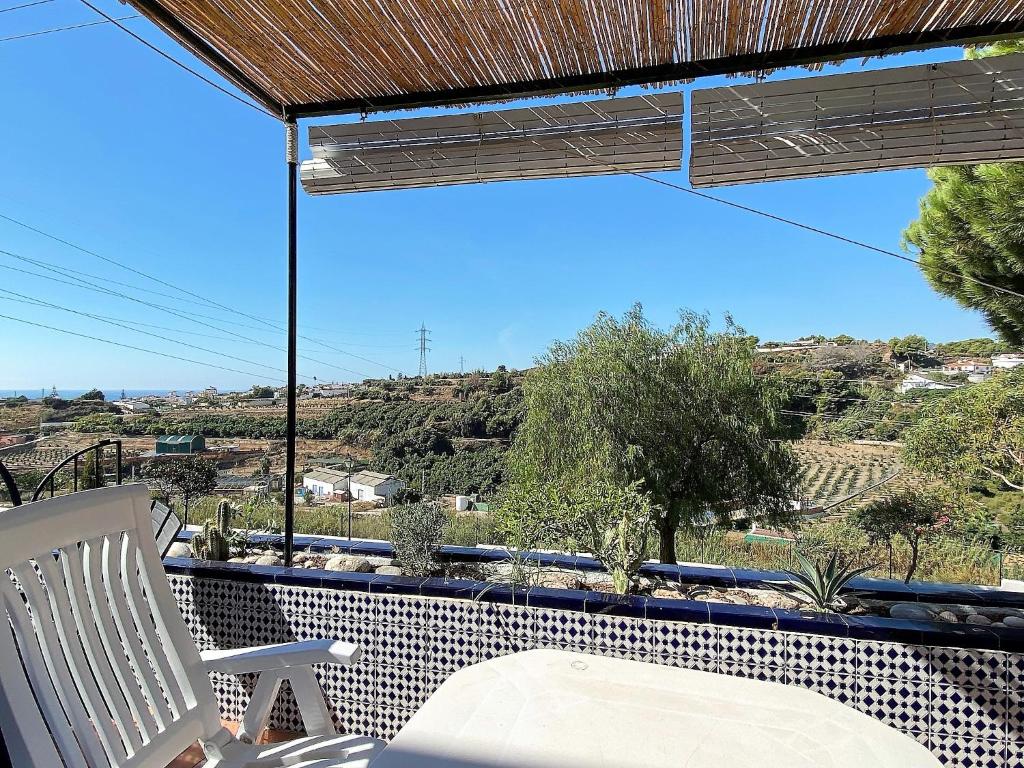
[[680, 413]]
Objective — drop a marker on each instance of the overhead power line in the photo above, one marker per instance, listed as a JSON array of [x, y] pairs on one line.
[[22, 298], [65, 29], [132, 347], [199, 297], [79, 283], [208, 81], [25, 5]]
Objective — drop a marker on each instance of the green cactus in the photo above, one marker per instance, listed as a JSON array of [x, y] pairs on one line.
[[214, 541]]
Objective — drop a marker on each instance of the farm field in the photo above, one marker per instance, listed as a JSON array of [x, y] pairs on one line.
[[832, 472]]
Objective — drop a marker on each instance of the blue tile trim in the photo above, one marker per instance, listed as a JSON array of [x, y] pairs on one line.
[[634, 606], [745, 578]]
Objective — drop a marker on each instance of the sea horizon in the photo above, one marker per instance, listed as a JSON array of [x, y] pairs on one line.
[[109, 393]]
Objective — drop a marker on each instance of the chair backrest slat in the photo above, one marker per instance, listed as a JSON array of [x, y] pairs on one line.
[[96, 665], [100, 714], [100, 661], [50, 717], [142, 716]]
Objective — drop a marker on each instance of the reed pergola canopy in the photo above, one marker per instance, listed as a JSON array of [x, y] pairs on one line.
[[301, 58]]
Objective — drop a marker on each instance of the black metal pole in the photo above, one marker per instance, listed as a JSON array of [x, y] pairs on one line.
[[292, 157]]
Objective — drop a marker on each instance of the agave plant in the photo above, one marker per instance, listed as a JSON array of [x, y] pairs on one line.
[[822, 587]]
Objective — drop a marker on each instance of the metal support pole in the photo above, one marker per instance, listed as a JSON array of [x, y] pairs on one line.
[[292, 158]]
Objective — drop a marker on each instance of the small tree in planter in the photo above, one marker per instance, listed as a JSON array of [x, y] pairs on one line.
[[416, 532], [188, 477], [913, 515]]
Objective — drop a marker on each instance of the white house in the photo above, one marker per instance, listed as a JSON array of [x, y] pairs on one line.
[[914, 381], [1010, 360], [133, 406], [324, 483], [968, 366], [375, 486]]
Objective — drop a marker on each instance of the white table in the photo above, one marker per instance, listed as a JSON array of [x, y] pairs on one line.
[[551, 708]]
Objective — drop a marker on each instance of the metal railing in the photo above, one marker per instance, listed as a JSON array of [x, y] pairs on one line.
[[75, 460]]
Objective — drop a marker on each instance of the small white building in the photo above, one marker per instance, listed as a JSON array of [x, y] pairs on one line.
[[968, 366], [914, 381], [1008, 360], [374, 486], [133, 406], [325, 483]]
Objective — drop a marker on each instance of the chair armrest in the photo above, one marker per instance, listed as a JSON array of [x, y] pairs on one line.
[[264, 658]]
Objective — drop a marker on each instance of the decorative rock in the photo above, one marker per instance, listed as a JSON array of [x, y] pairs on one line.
[[268, 560], [998, 624], [910, 611], [300, 557], [1014, 621], [251, 559], [949, 617], [179, 549], [389, 570], [977, 618], [236, 559], [270, 552], [349, 564]]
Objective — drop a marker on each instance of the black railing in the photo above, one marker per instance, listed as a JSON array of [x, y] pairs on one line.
[[75, 459], [12, 487]]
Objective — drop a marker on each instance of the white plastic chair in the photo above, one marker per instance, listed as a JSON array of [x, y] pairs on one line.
[[97, 667]]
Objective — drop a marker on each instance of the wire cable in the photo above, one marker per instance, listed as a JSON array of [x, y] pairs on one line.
[[22, 298], [100, 289], [65, 29], [208, 81], [132, 347], [25, 5]]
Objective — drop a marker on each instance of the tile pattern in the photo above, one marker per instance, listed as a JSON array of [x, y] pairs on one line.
[[966, 706]]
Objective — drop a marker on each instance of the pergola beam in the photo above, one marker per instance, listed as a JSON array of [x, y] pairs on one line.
[[728, 65]]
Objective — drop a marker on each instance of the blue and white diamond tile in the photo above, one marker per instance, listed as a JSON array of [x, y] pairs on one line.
[[310, 627], [675, 639], [218, 591], [903, 704], [449, 651], [835, 655], [621, 652], [356, 717], [401, 644], [1015, 671], [493, 646], [403, 609], [564, 628], [624, 634], [968, 667], [964, 752], [978, 712], [1015, 714], [752, 646], [347, 682], [838, 687], [295, 599], [699, 663], [390, 721], [402, 687], [511, 621], [1015, 754], [359, 633], [894, 661], [761, 672], [462, 615]]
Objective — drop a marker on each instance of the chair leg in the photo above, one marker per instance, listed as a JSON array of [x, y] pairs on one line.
[[310, 698], [254, 721]]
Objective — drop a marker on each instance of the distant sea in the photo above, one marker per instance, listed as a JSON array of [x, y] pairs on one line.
[[71, 394]]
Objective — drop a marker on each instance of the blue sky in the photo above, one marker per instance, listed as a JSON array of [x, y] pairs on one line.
[[109, 146]]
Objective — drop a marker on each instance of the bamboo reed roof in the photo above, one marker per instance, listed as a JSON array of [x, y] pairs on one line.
[[309, 57]]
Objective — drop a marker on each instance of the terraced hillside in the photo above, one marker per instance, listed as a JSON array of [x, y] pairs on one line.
[[832, 472]]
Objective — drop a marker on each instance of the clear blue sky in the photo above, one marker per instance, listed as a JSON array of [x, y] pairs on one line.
[[107, 145]]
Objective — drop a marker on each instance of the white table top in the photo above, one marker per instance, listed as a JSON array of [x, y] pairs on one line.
[[547, 708]]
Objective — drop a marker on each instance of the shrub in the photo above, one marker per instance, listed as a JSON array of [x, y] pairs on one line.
[[416, 531]]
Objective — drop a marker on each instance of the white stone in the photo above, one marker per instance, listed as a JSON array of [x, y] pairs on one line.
[[910, 611], [977, 618], [268, 560], [1014, 621], [179, 549], [299, 558], [389, 570], [949, 617], [349, 563]]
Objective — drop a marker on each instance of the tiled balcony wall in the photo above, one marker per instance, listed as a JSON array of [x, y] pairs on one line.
[[964, 704]]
